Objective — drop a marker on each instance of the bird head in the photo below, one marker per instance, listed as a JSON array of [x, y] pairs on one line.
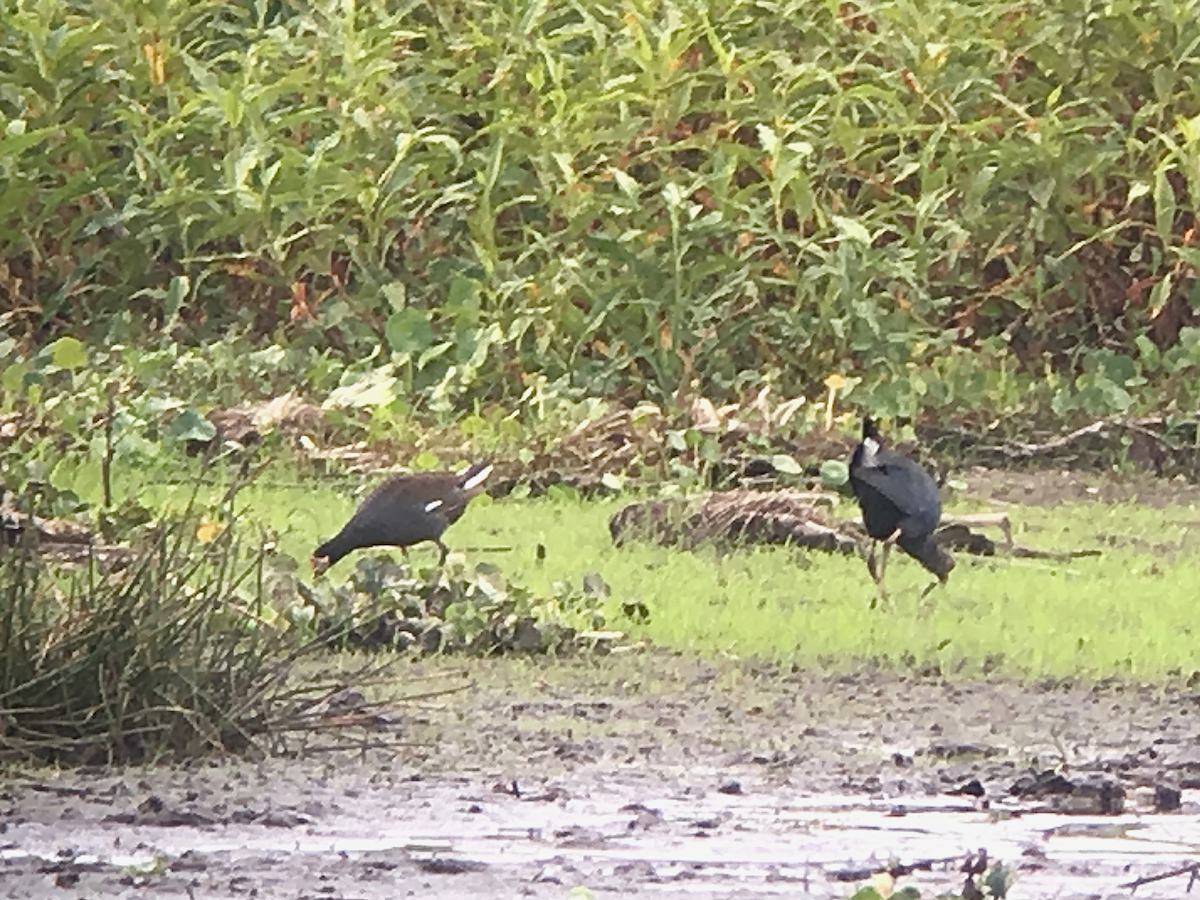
[[936, 559], [320, 564], [869, 431]]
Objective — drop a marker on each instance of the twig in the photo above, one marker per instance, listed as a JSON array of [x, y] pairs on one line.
[[1022, 552], [1192, 869], [107, 460], [981, 520], [1020, 448], [372, 745], [896, 870], [1015, 448]]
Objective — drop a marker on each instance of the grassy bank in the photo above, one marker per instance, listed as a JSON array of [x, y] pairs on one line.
[[1127, 613]]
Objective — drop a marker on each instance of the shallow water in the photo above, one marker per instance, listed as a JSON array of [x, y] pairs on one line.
[[619, 768], [663, 835]]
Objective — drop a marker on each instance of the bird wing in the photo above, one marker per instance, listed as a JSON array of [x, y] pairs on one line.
[[904, 483]]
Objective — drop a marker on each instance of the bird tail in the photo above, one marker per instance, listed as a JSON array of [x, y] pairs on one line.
[[472, 479]]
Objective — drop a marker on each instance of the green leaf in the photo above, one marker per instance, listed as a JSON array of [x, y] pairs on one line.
[[834, 473], [396, 295], [786, 464], [1164, 203], [13, 379], [68, 353], [853, 230], [425, 461], [1148, 352], [177, 292], [1137, 190], [768, 138], [377, 388], [409, 330], [189, 425], [594, 585], [612, 481], [1160, 295]]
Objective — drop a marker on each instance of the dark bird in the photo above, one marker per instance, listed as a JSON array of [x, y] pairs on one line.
[[900, 505], [406, 510]]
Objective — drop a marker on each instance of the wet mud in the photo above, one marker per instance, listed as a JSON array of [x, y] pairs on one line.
[[652, 775]]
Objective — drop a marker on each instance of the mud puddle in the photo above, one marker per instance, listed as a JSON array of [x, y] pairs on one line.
[[663, 835], [655, 776]]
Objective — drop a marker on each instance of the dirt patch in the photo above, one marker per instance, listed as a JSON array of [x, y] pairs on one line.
[[1053, 487], [646, 774]]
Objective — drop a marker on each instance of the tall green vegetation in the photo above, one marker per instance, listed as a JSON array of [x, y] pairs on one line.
[[474, 199]]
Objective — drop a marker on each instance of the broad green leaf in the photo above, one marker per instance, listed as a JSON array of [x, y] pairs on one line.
[[768, 139], [1148, 351], [852, 229], [1137, 190], [613, 481], [189, 425], [396, 294], [377, 388], [786, 464], [13, 379], [409, 330], [68, 353], [834, 473], [425, 461]]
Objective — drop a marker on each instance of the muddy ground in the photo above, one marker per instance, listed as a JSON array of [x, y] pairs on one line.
[[644, 775], [649, 774]]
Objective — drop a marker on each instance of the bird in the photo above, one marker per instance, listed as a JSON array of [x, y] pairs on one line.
[[900, 505], [405, 510]]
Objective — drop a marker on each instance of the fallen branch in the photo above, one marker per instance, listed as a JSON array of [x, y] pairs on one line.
[[1021, 552], [1015, 449], [1192, 869], [896, 870]]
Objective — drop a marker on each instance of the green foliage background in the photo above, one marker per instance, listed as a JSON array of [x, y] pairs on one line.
[[954, 199]]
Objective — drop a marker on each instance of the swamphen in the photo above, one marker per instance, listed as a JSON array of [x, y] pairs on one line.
[[406, 510], [900, 505]]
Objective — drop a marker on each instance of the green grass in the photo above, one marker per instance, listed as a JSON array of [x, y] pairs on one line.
[[1129, 613], [1096, 617]]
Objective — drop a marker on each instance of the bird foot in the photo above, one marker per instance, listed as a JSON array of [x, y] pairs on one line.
[[880, 595]]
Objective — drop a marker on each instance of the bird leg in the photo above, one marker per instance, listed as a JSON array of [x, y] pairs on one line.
[[443, 552], [876, 572], [883, 558], [868, 555]]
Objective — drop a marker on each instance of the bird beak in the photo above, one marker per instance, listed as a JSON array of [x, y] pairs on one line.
[[320, 564]]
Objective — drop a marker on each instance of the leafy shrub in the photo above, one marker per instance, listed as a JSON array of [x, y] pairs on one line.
[[483, 201], [477, 611]]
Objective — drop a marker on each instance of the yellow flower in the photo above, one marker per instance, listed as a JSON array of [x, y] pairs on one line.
[[207, 531]]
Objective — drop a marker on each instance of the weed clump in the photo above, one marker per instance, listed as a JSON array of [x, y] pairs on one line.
[[177, 652]]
